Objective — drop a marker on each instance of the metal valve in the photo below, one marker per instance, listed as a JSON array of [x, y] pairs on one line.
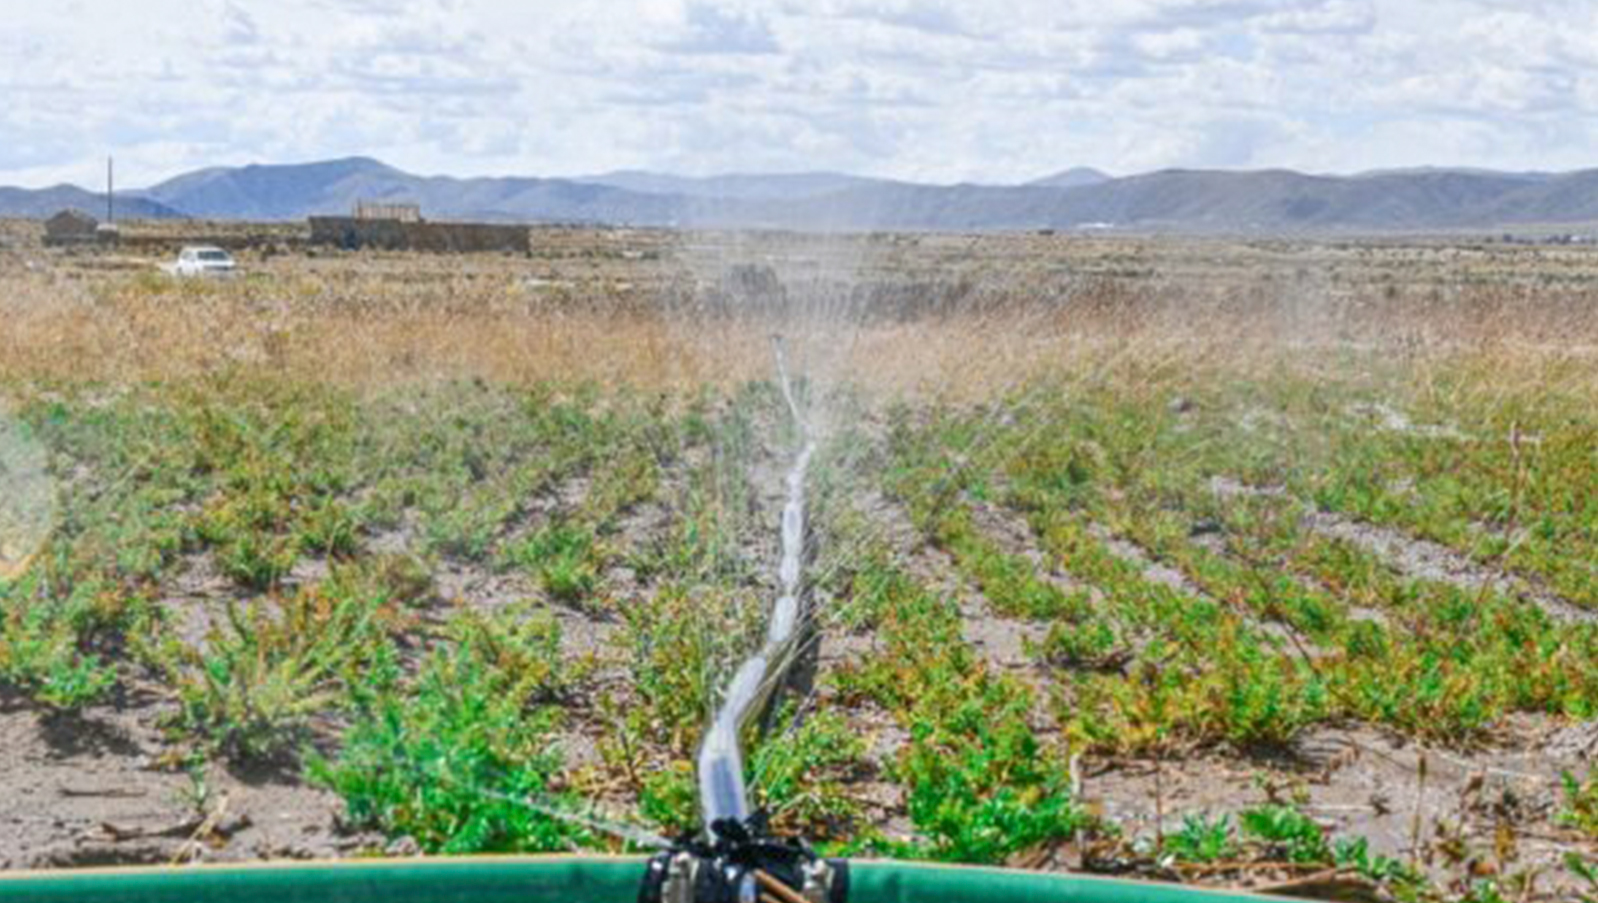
[[743, 863]]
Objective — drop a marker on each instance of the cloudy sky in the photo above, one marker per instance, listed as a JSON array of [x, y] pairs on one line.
[[933, 91]]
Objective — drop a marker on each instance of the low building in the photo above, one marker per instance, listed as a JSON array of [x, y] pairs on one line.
[[405, 213], [354, 233], [71, 227]]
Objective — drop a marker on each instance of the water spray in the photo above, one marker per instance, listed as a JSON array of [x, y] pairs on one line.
[[722, 793], [736, 859], [27, 498]]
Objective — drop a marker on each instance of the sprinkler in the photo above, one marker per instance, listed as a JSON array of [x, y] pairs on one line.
[[742, 862], [736, 858]]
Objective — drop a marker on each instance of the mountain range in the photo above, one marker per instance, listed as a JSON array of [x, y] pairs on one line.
[[1188, 200], [45, 202]]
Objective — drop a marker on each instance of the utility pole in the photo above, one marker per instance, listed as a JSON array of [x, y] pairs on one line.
[[110, 191]]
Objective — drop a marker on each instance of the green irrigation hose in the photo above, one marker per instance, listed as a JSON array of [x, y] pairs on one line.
[[905, 882], [548, 879]]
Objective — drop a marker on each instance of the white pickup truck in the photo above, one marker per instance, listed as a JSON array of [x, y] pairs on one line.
[[201, 260]]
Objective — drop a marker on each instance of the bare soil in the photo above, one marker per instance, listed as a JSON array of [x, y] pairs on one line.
[[100, 787]]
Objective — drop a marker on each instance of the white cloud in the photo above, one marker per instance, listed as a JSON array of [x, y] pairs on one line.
[[910, 88], [709, 28]]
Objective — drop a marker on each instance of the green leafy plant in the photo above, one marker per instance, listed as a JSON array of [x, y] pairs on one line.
[[564, 558], [1581, 803], [800, 775], [1587, 872], [670, 798], [461, 758], [56, 649], [678, 649], [1287, 832], [42, 654], [982, 807], [978, 785], [259, 677], [1202, 839]]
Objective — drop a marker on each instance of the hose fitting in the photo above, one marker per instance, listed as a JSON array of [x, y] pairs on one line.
[[743, 863]]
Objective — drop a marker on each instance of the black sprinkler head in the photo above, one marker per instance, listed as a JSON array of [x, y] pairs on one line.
[[742, 862]]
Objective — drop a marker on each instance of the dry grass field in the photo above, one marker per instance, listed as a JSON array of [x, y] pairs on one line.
[[1258, 563]]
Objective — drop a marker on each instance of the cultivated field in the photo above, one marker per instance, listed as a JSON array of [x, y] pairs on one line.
[[1245, 563]]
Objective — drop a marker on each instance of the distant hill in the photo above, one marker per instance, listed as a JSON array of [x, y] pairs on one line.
[[744, 186], [42, 203], [909, 206], [1567, 198], [1278, 200], [1074, 177], [1528, 176], [1264, 201], [294, 191], [277, 192], [1187, 200], [280, 192]]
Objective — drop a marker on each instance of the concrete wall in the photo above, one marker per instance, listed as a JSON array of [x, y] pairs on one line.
[[392, 235]]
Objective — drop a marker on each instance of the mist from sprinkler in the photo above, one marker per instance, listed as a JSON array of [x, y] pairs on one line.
[[27, 498]]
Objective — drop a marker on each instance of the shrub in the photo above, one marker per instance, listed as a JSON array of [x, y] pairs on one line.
[[462, 758]]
